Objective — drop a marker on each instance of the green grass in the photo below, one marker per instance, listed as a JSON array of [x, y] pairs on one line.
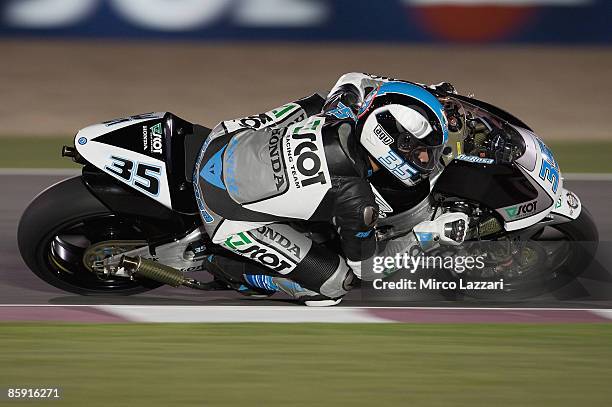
[[312, 364], [35, 152], [44, 152], [587, 156]]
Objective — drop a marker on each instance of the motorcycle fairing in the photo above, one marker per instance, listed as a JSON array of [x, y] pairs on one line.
[[495, 186], [505, 188], [568, 204], [149, 152], [139, 170], [541, 169]]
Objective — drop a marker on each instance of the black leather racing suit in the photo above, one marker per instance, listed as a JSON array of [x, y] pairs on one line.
[[312, 170], [295, 163]]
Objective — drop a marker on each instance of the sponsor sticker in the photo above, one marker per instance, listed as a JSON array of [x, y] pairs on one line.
[[305, 157], [572, 200], [273, 117], [342, 112], [383, 135], [156, 139], [243, 245], [521, 211], [475, 159], [383, 207], [145, 138], [363, 235], [277, 161], [281, 240]]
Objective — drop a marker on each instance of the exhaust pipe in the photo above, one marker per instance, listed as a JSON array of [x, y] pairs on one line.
[[145, 268], [152, 270]]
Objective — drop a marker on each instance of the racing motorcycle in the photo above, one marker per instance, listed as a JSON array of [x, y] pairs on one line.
[[130, 222]]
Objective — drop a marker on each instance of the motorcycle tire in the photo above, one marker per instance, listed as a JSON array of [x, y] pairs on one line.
[[49, 229]]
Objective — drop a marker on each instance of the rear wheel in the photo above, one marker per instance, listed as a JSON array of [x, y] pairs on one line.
[[65, 233]]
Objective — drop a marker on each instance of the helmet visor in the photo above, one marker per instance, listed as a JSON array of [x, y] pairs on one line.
[[417, 153]]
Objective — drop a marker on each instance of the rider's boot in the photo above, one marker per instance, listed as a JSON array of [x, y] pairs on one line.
[[303, 295], [231, 273], [255, 284]]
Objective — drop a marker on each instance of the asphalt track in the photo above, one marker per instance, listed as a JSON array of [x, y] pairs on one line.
[[19, 286]]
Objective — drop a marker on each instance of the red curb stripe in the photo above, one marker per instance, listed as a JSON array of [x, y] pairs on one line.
[[58, 314]]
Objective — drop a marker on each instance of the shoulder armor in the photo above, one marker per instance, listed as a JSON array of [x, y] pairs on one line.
[[345, 157], [312, 104]]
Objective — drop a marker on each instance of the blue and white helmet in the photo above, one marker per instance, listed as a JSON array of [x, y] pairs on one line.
[[403, 127]]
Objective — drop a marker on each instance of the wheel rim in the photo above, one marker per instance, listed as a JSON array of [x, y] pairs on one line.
[[535, 263], [67, 247]]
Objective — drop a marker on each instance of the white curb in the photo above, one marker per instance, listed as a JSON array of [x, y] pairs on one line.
[[148, 313]]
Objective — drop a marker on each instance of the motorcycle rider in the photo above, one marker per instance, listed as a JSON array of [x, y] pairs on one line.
[[310, 160]]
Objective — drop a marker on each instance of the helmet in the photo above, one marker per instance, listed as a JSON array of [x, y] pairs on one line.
[[403, 127]]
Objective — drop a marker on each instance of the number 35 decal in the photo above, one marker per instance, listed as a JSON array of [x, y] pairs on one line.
[[397, 166], [146, 177]]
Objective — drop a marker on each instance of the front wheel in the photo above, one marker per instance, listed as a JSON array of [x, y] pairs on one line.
[[583, 238], [547, 259], [66, 231]]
